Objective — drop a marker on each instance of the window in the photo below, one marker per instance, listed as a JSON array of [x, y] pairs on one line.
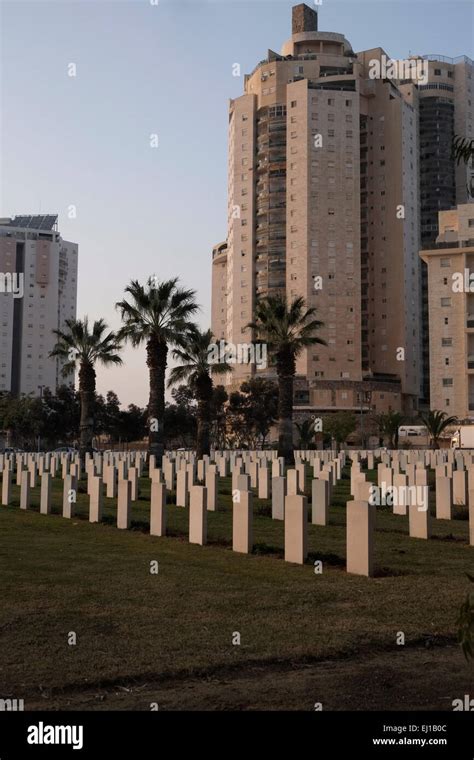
[[446, 342], [293, 103], [446, 361], [447, 381], [471, 222], [445, 302], [330, 101], [437, 72], [445, 262]]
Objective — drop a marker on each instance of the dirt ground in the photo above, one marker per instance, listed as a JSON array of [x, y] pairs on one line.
[[415, 678]]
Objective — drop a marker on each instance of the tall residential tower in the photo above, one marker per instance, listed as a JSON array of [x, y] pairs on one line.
[[42, 268]]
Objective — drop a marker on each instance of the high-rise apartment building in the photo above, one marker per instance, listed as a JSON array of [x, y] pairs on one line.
[[323, 203], [337, 171], [450, 262], [38, 292], [446, 108]]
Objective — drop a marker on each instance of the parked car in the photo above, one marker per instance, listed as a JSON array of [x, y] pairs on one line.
[[66, 450]]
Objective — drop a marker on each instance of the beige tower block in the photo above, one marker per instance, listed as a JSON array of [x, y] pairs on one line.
[[124, 504], [45, 495], [400, 494], [182, 490], [444, 498], [360, 535], [242, 523], [25, 489], [69, 495], [459, 487], [6, 486], [278, 498], [198, 515], [296, 529], [95, 499], [158, 509], [211, 482], [319, 502], [419, 518]]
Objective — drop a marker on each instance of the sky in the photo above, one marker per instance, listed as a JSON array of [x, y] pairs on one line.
[[165, 68]]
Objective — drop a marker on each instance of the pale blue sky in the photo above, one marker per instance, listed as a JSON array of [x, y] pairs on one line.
[[164, 69]]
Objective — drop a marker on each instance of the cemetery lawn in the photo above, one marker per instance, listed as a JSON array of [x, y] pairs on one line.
[[166, 638]]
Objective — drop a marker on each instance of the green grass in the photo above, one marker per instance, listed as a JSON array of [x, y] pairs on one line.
[[61, 575]]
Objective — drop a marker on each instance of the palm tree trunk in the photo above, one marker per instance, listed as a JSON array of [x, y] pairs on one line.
[[87, 398], [157, 353], [285, 418], [204, 398]]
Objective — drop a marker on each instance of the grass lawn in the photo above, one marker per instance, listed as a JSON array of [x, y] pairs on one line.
[[168, 637]]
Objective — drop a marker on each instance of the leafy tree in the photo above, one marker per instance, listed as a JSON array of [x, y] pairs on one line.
[[197, 370], [286, 329], [388, 424], [436, 422], [252, 411], [158, 315], [306, 433], [77, 344], [339, 426]]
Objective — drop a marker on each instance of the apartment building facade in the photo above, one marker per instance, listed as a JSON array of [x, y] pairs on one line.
[[449, 264], [43, 267], [324, 170]]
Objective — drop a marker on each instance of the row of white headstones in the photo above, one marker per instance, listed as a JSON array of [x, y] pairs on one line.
[[196, 484]]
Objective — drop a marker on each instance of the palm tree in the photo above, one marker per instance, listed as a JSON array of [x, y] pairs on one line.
[[306, 433], [436, 422], [158, 315], [196, 369], [77, 344], [286, 330], [462, 149]]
